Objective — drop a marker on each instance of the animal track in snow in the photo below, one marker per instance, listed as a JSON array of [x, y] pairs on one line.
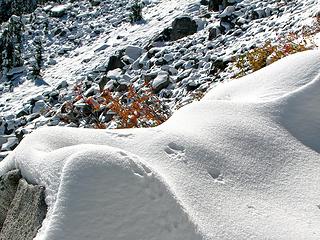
[[175, 151], [216, 175]]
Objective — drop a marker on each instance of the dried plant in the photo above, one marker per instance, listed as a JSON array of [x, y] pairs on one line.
[[130, 110]]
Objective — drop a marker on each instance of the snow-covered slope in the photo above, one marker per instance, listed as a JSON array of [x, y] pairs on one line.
[[77, 47], [243, 163]]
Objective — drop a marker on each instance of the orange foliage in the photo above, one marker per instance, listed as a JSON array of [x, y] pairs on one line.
[[143, 110], [131, 110]]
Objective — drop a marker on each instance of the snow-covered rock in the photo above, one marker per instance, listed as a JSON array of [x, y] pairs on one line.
[[160, 82], [59, 10]]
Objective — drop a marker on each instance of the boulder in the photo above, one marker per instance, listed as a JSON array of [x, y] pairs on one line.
[[182, 27], [160, 82], [214, 32], [59, 10], [228, 11], [8, 187], [133, 52], [114, 62], [26, 214]]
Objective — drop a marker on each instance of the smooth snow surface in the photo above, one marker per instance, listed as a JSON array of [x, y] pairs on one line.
[[243, 163]]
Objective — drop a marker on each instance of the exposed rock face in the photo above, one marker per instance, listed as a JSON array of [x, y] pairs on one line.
[[8, 187], [22, 208]]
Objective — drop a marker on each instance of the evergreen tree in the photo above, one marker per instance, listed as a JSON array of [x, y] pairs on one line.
[[11, 45], [38, 57], [136, 12]]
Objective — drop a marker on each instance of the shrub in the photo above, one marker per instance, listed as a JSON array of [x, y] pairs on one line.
[[260, 57], [131, 110], [137, 110]]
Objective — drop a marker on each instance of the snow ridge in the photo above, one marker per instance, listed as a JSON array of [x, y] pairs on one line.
[[219, 168]]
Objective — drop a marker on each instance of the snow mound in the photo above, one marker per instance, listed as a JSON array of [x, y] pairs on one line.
[[271, 82], [241, 164], [127, 200]]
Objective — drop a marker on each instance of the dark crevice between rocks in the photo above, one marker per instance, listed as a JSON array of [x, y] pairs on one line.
[[22, 207]]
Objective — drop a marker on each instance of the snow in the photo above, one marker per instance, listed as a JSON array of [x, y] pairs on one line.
[[78, 46], [265, 86], [59, 8], [243, 163]]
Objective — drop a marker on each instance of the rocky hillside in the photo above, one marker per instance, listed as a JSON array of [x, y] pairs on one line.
[[87, 64]]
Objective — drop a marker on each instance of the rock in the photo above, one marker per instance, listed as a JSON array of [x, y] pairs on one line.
[[182, 27], [11, 144], [15, 71], [214, 32], [20, 133], [114, 74], [193, 85], [258, 13], [62, 85], [227, 11], [114, 62], [32, 117], [102, 82], [133, 52], [317, 14], [95, 2], [22, 112], [226, 25], [8, 187], [150, 76], [204, 2], [160, 82], [26, 214], [217, 5], [101, 48], [213, 5], [168, 57], [121, 86], [59, 10], [39, 107], [3, 155]]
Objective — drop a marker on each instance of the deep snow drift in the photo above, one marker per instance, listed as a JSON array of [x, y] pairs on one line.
[[78, 45], [243, 163]]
